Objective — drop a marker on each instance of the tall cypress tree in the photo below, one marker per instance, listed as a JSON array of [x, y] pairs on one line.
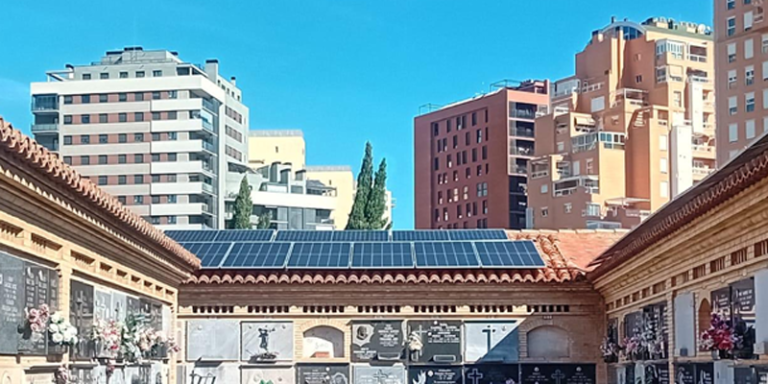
[[376, 204], [357, 218], [241, 219]]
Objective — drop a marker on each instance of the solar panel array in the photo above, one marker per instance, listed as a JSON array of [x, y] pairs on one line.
[[429, 249]]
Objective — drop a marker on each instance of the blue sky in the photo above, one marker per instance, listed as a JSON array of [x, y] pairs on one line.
[[343, 71]]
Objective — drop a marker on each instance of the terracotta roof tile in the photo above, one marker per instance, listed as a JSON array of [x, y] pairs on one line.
[[24, 152], [566, 253]]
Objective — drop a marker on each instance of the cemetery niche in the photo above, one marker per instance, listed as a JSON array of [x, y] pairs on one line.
[[560, 374], [213, 340], [491, 341], [322, 374], [268, 375], [323, 342], [364, 374], [266, 341], [12, 304], [37, 307], [434, 341], [435, 374], [378, 341], [491, 374]]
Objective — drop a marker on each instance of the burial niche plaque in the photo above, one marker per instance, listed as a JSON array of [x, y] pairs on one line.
[[491, 374], [559, 373], [12, 302], [685, 374], [435, 374], [439, 341], [378, 341], [81, 305], [322, 374], [491, 341], [36, 294], [268, 375], [391, 374], [266, 341]]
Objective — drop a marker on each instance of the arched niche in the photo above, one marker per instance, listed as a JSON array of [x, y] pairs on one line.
[[704, 318], [548, 342], [323, 342]]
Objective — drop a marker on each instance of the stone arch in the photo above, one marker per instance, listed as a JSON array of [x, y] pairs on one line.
[[323, 341], [703, 315], [548, 342]]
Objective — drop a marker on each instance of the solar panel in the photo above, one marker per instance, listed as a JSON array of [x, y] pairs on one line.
[[360, 235], [308, 236], [257, 255], [196, 235], [477, 234], [445, 255], [382, 255], [509, 254], [427, 235], [245, 235], [210, 254], [319, 255]]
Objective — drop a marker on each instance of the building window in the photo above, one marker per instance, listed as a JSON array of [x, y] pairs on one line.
[[155, 136], [138, 96], [123, 75], [67, 140], [155, 116], [484, 152], [733, 132], [663, 166], [730, 4], [749, 75], [122, 97], [68, 160], [482, 189], [173, 94], [86, 76], [138, 116], [590, 169], [663, 146], [544, 188], [733, 105], [138, 199], [138, 137], [85, 139], [122, 138], [172, 135], [85, 160], [678, 99], [731, 52], [479, 135], [104, 75], [102, 159], [102, 180], [171, 219], [85, 119], [731, 26], [157, 73], [121, 199], [103, 139], [139, 74], [138, 179], [568, 207], [664, 189], [749, 99], [435, 129], [138, 158], [121, 159], [171, 157], [103, 118], [155, 157], [749, 129], [544, 211], [85, 99], [172, 115], [103, 98], [748, 18], [67, 99], [639, 79], [436, 164], [122, 180]]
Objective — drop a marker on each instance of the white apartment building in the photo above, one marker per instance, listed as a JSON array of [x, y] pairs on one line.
[[158, 133]]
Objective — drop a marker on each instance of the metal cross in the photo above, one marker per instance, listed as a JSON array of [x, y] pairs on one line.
[[558, 376], [380, 376], [475, 376], [488, 332]]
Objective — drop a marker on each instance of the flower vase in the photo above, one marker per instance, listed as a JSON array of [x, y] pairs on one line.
[[716, 355]]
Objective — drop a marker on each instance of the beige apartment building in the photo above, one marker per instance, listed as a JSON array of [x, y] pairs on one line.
[[332, 187], [633, 128], [741, 35]]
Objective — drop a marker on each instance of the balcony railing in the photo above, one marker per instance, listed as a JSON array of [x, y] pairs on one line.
[[521, 151], [703, 148], [698, 58], [521, 132], [207, 104], [702, 171], [45, 103], [538, 174], [523, 114], [36, 128], [520, 170], [209, 146], [208, 188], [565, 192]]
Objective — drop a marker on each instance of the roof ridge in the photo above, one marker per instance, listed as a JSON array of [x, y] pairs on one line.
[[30, 153]]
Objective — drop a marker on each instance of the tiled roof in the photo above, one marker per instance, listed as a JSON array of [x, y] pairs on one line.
[[26, 153], [564, 253], [743, 171]]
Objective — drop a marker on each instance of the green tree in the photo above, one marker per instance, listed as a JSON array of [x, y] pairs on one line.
[[241, 219], [376, 204], [357, 219], [265, 220]]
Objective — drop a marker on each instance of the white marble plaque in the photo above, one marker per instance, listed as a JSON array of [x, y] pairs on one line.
[[213, 374], [213, 339], [366, 374], [271, 375], [267, 341]]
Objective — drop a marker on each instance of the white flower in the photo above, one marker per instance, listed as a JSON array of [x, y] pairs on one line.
[[57, 318], [53, 328], [73, 340], [57, 338]]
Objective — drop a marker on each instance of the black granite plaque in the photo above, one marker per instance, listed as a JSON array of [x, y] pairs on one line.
[[133, 306], [378, 340], [721, 301], [322, 374], [491, 374], [156, 316], [145, 306], [629, 374], [654, 316], [36, 291], [744, 375], [743, 305], [685, 374], [440, 340], [656, 374], [558, 373], [11, 302], [705, 373], [435, 375], [633, 324], [662, 372], [81, 316]]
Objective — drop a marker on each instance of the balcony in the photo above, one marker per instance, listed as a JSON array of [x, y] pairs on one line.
[[522, 114], [521, 151], [209, 147], [697, 58], [45, 128], [45, 103], [209, 188], [520, 132], [702, 171], [704, 149], [519, 170], [539, 174]]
